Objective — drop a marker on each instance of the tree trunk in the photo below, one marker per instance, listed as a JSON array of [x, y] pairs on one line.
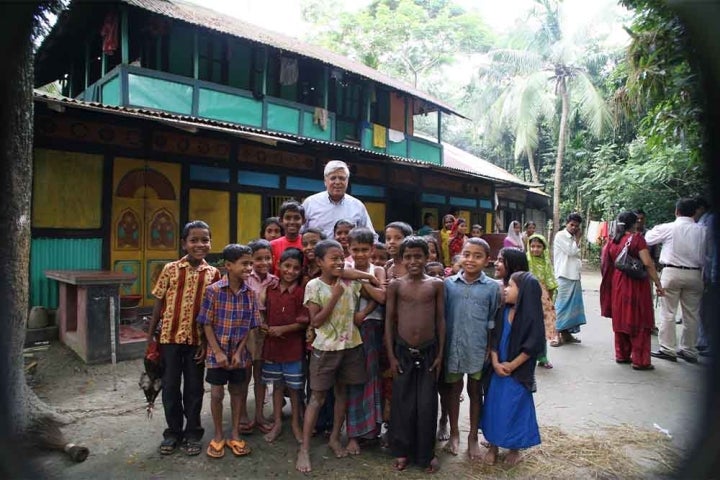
[[562, 135], [16, 136], [533, 170]]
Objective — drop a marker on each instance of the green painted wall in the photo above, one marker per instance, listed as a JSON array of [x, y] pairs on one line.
[[314, 131], [425, 152], [283, 118], [230, 108], [160, 94], [397, 148], [59, 254], [110, 94]]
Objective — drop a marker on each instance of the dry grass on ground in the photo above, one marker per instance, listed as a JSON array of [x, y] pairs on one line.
[[608, 452]]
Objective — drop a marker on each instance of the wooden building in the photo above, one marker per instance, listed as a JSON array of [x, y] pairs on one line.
[[171, 112]]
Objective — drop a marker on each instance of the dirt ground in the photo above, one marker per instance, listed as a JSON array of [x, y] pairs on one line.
[[597, 421], [108, 412]]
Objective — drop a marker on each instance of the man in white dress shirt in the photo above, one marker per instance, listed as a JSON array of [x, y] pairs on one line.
[[324, 209], [683, 255], [567, 264]]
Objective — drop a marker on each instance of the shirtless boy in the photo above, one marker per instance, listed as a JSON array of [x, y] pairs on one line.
[[415, 338]]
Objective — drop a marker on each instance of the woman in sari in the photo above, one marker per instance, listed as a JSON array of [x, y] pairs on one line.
[[458, 236], [628, 301]]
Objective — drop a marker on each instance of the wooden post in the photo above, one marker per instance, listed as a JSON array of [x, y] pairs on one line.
[[326, 86], [406, 101], [196, 55], [439, 126], [87, 65], [124, 39], [264, 71]]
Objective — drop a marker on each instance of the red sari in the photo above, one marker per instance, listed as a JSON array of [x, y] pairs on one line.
[[628, 302]]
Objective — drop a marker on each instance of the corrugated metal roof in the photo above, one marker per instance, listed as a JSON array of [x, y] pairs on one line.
[[210, 19], [233, 128], [455, 157]]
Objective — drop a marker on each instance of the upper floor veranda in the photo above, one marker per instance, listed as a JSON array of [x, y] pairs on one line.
[[184, 59]]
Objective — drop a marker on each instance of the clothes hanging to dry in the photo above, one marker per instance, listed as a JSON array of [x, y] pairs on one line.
[[379, 136], [109, 33], [320, 117], [288, 71], [395, 136]]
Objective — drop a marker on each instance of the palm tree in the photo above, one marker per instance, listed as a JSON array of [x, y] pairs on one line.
[[550, 74]]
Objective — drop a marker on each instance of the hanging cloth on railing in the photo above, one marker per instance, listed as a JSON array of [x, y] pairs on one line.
[[379, 136], [395, 136], [320, 117], [109, 33], [288, 71]]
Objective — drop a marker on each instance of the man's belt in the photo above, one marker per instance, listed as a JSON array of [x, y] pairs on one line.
[[666, 265]]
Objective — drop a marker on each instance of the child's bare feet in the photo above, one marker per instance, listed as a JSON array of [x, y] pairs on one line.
[[400, 464], [443, 432], [274, 433], [337, 448], [513, 457], [473, 448], [454, 444], [303, 461], [434, 466], [353, 447], [491, 455]]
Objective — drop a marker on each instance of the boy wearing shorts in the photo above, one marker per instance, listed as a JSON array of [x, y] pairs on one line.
[[337, 359], [229, 311], [283, 350]]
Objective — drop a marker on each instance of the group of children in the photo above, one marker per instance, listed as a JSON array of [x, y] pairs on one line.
[[378, 332]]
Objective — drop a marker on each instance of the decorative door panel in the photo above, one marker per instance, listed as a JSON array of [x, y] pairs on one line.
[[145, 229]]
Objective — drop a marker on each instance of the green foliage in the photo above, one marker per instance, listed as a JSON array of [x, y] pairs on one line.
[[656, 156], [404, 38]]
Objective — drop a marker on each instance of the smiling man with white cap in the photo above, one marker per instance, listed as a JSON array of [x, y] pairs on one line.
[[324, 209]]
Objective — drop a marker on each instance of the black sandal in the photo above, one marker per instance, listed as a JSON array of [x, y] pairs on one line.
[[191, 448], [168, 446]]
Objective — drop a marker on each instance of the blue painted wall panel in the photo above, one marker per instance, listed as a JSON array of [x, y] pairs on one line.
[[463, 202], [204, 173], [367, 190], [433, 198], [257, 179], [305, 184]]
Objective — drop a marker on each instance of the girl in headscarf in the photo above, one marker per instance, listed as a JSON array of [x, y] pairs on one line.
[[458, 236], [538, 256], [513, 239], [509, 419]]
